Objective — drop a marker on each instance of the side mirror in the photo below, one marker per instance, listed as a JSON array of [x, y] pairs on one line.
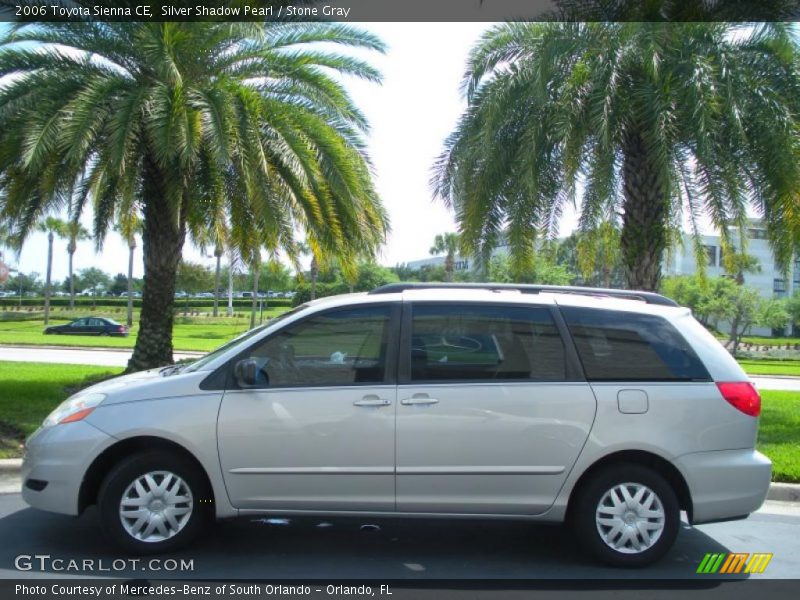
[[246, 372]]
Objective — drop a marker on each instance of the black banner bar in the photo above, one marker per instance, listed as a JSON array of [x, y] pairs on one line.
[[400, 10]]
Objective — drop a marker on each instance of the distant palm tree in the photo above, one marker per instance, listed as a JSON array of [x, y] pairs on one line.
[[255, 270], [234, 260], [129, 225], [5, 238], [53, 227], [447, 244], [599, 249], [74, 232], [219, 250], [213, 231], [183, 116], [652, 118], [310, 248]]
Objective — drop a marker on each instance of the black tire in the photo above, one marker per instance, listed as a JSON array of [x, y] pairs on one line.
[[129, 470], [588, 498]]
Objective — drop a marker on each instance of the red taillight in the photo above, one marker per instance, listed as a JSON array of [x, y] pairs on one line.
[[742, 395], [121, 329]]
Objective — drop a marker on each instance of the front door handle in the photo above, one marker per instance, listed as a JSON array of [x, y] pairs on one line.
[[372, 401], [419, 399]]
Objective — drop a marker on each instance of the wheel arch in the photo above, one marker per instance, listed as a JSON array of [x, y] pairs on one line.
[[105, 461], [644, 458]]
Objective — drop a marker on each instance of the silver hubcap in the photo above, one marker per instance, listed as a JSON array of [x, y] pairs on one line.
[[630, 518], [155, 506]]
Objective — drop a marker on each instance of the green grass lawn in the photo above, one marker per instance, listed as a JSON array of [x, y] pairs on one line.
[[190, 333], [769, 341], [29, 391], [771, 367], [779, 433]]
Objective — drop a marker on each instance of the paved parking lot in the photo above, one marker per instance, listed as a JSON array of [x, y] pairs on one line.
[[392, 549]]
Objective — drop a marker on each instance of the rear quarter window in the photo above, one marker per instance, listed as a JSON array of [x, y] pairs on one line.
[[623, 346]]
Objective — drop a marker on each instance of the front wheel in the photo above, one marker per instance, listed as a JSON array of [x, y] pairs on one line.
[[626, 516], [154, 502]]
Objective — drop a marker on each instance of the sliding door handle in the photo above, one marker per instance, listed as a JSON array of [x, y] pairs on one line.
[[372, 401], [418, 400]]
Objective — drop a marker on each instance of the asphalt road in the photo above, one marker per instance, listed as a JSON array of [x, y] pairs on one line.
[[395, 549], [98, 357], [116, 358]]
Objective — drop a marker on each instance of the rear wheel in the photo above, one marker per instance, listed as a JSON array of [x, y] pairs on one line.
[[154, 502], [626, 516]]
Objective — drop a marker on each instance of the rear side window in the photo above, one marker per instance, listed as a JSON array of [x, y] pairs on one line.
[[621, 346], [472, 342]]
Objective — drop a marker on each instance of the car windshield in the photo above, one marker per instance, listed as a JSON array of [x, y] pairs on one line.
[[214, 354]]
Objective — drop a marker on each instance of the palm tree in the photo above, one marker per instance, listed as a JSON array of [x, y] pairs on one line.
[[651, 119], [5, 239], [446, 244], [255, 269], [219, 250], [53, 227], [309, 247], [599, 248], [74, 232], [233, 263], [213, 231], [183, 117], [129, 225]]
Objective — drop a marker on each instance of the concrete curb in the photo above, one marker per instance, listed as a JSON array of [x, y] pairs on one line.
[[784, 492], [93, 349], [10, 465], [779, 492]]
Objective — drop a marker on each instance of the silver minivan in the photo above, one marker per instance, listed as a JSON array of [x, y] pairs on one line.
[[611, 410]]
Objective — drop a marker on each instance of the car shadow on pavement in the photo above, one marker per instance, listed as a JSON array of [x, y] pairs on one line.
[[341, 548]]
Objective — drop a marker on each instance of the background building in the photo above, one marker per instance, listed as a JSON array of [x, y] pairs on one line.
[[769, 281]]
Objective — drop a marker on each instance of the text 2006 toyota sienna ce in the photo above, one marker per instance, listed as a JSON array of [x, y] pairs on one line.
[[614, 411]]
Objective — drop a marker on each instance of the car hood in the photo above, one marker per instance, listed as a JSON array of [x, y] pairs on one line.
[[147, 385]]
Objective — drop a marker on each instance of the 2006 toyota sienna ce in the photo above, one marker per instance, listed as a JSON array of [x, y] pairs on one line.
[[612, 410]]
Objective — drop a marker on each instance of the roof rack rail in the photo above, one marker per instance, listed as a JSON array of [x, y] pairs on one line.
[[525, 288]]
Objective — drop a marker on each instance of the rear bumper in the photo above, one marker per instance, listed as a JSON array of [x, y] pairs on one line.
[[726, 484]]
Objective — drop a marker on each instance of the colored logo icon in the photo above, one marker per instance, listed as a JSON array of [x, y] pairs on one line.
[[723, 563]]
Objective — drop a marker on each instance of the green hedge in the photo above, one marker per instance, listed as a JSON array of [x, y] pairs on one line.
[[180, 303]]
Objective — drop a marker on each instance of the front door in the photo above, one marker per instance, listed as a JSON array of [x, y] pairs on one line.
[[317, 433], [492, 412]]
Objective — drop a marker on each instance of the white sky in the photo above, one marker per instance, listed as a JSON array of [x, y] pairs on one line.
[[410, 115]]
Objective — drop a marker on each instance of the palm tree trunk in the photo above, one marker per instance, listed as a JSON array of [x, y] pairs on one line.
[[163, 235], [643, 238], [131, 250], [230, 288], [314, 274], [254, 301], [216, 284], [71, 283], [50, 237]]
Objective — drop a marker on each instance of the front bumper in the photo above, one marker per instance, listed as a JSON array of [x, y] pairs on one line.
[[726, 484], [60, 456]]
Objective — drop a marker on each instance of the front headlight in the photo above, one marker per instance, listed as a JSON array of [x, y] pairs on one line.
[[74, 409]]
